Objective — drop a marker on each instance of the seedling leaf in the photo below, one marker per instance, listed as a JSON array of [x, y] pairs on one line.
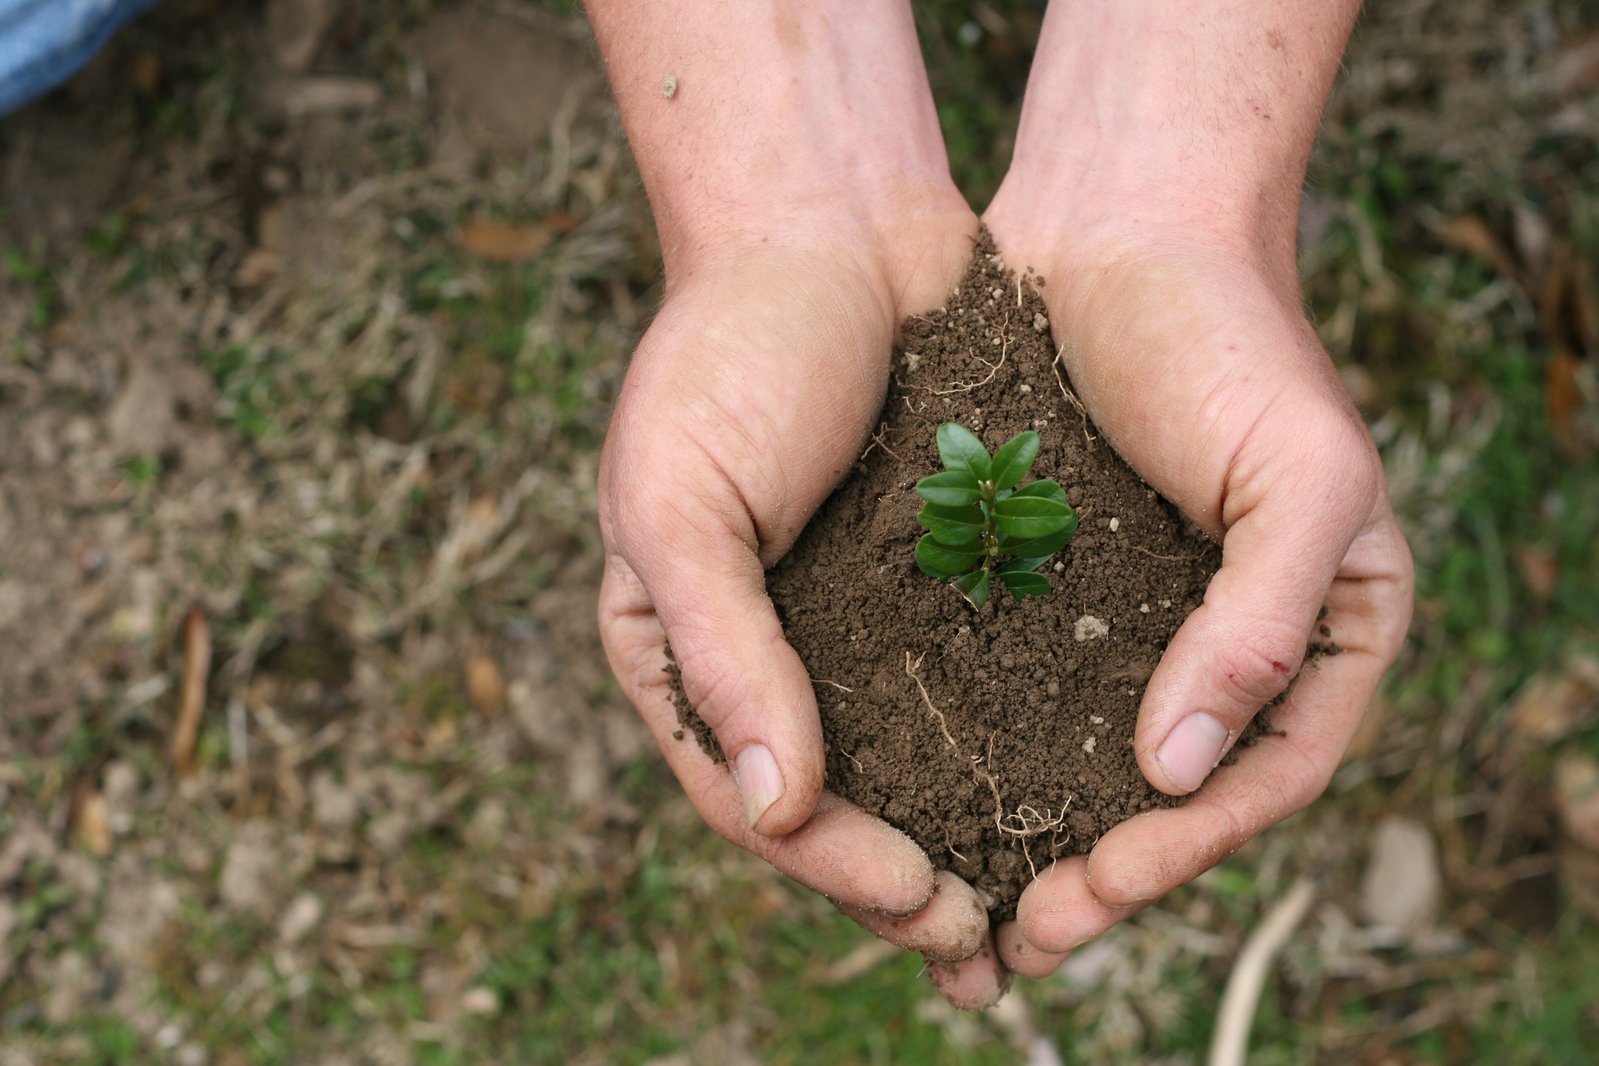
[[1030, 516], [976, 516], [1044, 489], [1023, 583], [961, 450], [974, 586], [1014, 458], [1040, 547], [953, 526], [952, 488], [940, 561]]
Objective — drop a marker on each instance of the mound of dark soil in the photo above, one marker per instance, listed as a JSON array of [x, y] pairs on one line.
[[997, 738]]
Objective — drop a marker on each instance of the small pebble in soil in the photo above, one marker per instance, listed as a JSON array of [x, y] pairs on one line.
[[1089, 628], [1115, 524]]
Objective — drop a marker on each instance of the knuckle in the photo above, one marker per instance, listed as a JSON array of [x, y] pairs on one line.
[[715, 689], [1345, 460], [1257, 669], [1306, 780]]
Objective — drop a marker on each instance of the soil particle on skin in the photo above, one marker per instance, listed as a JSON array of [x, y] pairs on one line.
[[997, 738]]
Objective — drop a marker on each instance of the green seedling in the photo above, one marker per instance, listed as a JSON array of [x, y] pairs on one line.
[[981, 525]]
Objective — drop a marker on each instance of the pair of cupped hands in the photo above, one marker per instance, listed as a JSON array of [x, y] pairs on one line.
[[752, 394]]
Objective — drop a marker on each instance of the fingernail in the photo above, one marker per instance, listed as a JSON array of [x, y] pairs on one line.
[[760, 782], [1192, 750]]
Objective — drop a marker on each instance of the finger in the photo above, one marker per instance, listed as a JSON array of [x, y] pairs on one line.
[[1059, 912], [699, 561], [951, 928], [976, 984], [1291, 517], [1020, 956], [1148, 856], [841, 852]]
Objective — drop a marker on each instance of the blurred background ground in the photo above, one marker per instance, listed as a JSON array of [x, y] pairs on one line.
[[310, 316]]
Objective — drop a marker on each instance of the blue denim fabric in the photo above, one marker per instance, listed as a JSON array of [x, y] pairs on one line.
[[42, 42]]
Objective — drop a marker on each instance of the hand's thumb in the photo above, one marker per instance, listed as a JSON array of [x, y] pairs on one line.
[[738, 671], [1244, 644]]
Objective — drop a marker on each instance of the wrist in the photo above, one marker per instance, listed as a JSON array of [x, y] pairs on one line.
[[793, 122], [1186, 121], [882, 228]]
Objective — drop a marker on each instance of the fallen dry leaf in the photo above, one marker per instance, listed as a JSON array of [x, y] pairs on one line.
[[440, 737], [1471, 234], [294, 31], [1568, 307], [1402, 885], [485, 684], [1577, 797], [1533, 239], [505, 242], [1568, 303], [327, 94], [258, 267], [1551, 707], [1577, 70], [1540, 569], [191, 696], [147, 72], [1562, 391], [91, 826], [1579, 877]]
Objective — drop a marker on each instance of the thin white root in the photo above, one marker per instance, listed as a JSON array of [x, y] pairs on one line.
[[877, 442], [1029, 821], [949, 842], [1071, 397], [1167, 558], [1230, 1045], [968, 386], [910, 671], [993, 368]]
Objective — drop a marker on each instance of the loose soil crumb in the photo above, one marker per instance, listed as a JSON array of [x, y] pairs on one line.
[[998, 738]]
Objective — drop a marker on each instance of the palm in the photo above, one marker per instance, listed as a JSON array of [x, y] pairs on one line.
[[751, 395], [1207, 378]]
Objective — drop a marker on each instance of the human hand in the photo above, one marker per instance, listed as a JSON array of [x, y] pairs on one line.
[[1195, 360], [797, 174], [1155, 186], [748, 398]]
